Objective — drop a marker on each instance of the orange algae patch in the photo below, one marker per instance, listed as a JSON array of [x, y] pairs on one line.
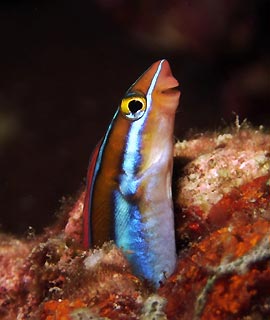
[[223, 276], [118, 306], [60, 309], [243, 205], [233, 295], [233, 243], [251, 199]]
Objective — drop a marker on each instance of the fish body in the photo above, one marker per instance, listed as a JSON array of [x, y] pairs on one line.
[[128, 197]]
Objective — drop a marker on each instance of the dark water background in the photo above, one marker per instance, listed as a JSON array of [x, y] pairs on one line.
[[64, 66]]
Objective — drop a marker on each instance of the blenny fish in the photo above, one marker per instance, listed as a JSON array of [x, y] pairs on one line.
[[128, 195]]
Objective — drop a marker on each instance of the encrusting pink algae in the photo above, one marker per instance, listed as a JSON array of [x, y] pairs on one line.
[[222, 211]]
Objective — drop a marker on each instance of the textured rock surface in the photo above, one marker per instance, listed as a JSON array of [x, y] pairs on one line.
[[229, 161], [222, 192]]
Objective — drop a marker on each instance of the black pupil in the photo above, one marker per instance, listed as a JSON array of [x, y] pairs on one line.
[[134, 106]]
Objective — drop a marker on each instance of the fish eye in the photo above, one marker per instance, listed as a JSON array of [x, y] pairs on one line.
[[133, 106]]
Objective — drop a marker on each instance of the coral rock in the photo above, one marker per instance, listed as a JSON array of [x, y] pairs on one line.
[[222, 214]]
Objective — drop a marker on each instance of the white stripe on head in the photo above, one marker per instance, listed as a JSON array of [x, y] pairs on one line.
[[134, 134]]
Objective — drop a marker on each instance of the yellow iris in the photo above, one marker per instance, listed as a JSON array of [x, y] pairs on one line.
[[133, 105]]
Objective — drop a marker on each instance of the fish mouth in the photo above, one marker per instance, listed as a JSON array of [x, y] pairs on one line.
[[172, 91]]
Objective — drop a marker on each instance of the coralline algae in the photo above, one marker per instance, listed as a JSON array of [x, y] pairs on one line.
[[222, 211]]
